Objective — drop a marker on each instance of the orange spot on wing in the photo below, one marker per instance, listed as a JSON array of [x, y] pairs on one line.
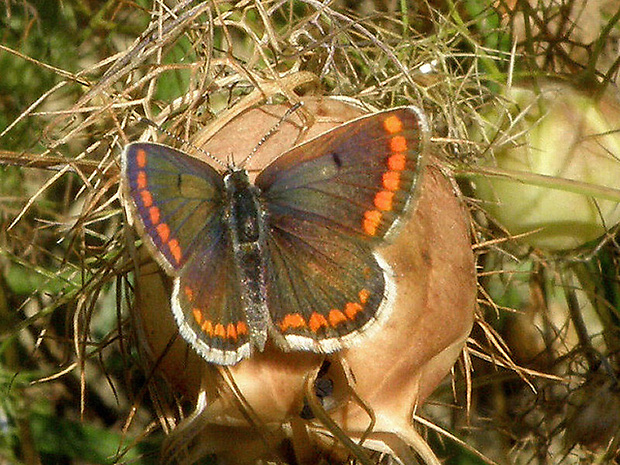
[[336, 317], [231, 331], [372, 219], [189, 293], [391, 180], [393, 124], [154, 215], [317, 321], [351, 309], [292, 320], [164, 232], [175, 250], [141, 180], [242, 328], [219, 330], [207, 327], [364, 295], [397, 162], [147, 198], [398, 144], [383, 200], [141, 158], [197, 316]]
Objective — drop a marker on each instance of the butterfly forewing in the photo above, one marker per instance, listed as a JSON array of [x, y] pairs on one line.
[[358, 178], [177, 199]]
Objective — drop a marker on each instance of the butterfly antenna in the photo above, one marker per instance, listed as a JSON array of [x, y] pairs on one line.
[[182, 141], [271, 132]]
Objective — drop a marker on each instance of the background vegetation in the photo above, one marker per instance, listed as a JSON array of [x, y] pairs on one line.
[[538, 382]]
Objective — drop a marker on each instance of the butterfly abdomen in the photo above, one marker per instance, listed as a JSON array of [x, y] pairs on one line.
[[245, 220]]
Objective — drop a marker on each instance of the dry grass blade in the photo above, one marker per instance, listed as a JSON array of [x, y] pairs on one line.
[[81, 77]]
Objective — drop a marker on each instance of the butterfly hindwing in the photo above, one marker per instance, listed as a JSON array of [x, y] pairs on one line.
[[330, 202], [206, 302], [328, 289]]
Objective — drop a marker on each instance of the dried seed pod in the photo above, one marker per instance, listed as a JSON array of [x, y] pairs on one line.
[[392, 370], [571, 138]]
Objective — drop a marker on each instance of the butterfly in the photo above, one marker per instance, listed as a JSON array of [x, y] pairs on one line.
[[291, 257]]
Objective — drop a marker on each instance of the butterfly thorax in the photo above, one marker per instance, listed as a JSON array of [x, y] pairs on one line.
[[245, 221]]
